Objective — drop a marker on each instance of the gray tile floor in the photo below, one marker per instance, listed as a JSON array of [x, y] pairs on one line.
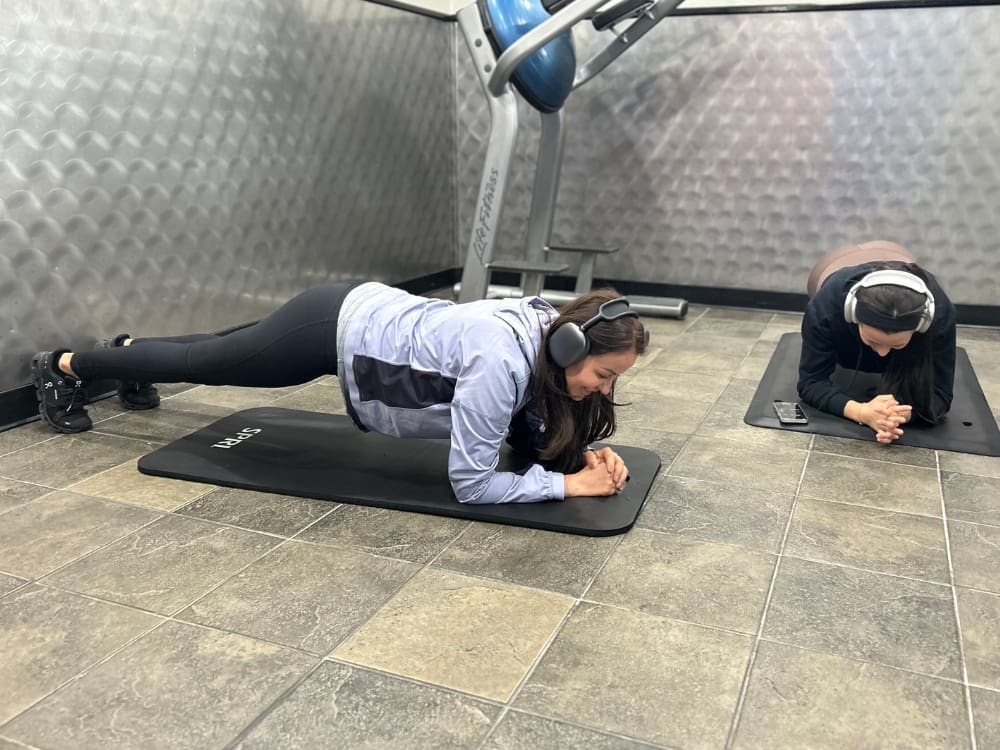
[[779, 590]]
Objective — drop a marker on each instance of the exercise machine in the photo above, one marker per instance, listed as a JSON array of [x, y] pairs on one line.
[[525, 47]]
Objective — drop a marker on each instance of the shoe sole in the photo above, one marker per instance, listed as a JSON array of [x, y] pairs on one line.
[[136, 407], [39, 387], [126, 404]]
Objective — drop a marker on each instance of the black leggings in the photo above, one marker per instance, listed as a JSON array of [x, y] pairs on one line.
[[294, 344]]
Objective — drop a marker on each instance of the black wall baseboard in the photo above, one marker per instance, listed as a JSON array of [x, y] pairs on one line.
[[18, 405]]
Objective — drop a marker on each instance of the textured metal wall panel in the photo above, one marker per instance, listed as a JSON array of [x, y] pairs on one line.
[[732, 151], [169, 167]]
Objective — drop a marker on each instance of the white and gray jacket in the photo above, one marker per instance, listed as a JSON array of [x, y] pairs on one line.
[[416, 367]]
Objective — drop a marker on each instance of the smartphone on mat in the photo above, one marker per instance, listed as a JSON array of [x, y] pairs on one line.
[[789, 412]]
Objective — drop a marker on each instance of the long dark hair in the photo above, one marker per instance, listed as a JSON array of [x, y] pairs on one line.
[[909, 372], [572, 425]]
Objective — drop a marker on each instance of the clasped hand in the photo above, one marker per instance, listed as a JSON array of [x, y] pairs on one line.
[[604, 473], [885, 414]]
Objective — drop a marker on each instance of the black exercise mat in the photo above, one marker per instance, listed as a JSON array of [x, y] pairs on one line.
[[324, 456], [969, 427]]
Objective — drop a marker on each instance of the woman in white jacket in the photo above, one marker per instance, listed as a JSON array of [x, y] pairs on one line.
[[409, 366]]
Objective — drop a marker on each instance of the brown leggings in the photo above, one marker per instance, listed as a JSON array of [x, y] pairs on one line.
[[854, 255]]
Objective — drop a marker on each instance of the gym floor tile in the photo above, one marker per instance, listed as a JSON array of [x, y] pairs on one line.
[[879, 540], [984, 354], [108, 407], [323, 397], [181, 686], [528, 557], [302, 595], [468, 634], [160, 426], [713, 512], [965, 463], [878, 484], [45, 534], [701, 582], [975, 553], [798, 698], [967, 335], [26, 435], [983, 351], [897, 622], [986, 713], [971, 498], [779, 325], [282, 515], [13, 494], [703, 354], [642, 676], [652, 386], [979, 614], [48, 637], [518, 730], [48, 463], [125, 484], [724, 421], [730, 462], [742, 324], [676, 415], [652, 352], [898, 454], [343, 706], [9, 583], [991, 388], [672, 326], [666, 445], [417, 537], [233, 398], [165, 565], [754, 365]]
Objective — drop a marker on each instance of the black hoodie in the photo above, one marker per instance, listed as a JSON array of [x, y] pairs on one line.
[[828, 340]]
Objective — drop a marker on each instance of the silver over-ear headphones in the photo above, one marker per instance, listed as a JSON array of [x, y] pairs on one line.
[[568, 344], [895, 278]]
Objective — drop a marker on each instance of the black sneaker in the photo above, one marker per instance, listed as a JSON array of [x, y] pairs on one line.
[[61, 398], [133, 394]]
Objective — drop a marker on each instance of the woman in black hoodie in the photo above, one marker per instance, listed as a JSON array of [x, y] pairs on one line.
[[874, 310]]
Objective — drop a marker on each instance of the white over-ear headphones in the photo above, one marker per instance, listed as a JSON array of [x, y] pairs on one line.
[[895, 278]]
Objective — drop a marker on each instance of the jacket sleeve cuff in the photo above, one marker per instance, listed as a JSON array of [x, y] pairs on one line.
[[558, 486], [837, 404]]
